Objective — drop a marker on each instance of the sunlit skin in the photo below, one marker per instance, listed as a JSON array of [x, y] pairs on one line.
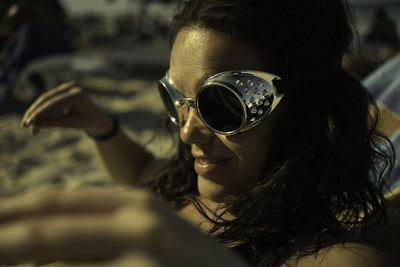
[[225, 165]]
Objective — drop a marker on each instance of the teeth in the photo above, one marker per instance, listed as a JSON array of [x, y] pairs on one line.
[[204, 161]]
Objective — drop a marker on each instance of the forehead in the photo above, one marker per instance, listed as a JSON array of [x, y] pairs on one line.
[[198, 53]]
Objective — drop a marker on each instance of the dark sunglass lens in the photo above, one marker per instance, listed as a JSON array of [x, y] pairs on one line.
[[168, 104], [220, 108]]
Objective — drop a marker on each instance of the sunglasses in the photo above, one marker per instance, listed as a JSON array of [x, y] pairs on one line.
[[228, 102]]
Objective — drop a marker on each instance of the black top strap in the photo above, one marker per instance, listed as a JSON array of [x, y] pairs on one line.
[[310, 76]]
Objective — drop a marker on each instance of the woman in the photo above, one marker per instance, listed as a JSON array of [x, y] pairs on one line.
[[277, 148]]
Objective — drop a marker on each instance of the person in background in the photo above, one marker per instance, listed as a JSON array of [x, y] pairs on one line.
[[36, 33], [380, 44], [383, 37], [279, 159], [383, 30]]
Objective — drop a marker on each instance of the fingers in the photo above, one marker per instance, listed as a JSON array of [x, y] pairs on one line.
[[75, 226], [101, 225], [65, 121], [135, 258], [76, 238], [55, 107], [45, 97], [77, 201], [34, 129], [66, 238], [66, 106]]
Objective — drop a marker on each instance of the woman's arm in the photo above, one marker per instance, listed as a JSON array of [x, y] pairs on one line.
[[126, 161]]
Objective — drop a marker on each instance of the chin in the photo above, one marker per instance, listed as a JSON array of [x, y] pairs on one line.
[[213, 191]]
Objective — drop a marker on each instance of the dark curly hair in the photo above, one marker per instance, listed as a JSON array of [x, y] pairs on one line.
[[329, 163]]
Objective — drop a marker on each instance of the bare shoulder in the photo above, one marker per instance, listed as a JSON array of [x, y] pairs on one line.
[[349, 254]]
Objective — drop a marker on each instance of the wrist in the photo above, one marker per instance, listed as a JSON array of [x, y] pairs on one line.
[[100, 124], [107, 129]]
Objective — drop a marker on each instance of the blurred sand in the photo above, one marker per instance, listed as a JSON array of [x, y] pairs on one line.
[[66, 157]]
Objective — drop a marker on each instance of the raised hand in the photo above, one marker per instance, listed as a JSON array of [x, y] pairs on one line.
[[66, 106], [102, 226]]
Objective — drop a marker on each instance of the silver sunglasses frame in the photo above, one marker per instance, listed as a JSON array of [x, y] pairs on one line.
[[254, 89]]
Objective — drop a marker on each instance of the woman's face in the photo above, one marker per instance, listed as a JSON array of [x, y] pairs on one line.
[[225, 165]]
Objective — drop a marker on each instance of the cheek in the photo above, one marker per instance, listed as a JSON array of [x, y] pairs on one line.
[[253, 147], [254, 142], [251, 150]]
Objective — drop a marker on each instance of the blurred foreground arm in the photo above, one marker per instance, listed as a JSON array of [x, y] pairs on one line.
[[68, 106], [102, 228]]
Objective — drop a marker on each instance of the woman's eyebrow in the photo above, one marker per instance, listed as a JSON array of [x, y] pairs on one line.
[[197, 84], [174, 85]]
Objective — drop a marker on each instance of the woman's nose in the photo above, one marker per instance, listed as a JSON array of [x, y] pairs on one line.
[[193, 130]]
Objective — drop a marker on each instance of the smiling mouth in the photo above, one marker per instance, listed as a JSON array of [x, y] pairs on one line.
[[204, 165], [208, 161]]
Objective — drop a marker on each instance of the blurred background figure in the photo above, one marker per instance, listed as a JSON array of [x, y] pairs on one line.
[[383, 30], [379, 38], [36, 31], [4, 29], [357, 65], [383, 36]]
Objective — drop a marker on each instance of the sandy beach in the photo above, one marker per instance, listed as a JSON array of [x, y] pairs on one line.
[[66, 157]]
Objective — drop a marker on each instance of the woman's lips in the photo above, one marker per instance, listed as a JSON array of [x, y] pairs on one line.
[[204, 165]]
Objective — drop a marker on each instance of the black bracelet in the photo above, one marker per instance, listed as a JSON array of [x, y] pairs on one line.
[[108, 135]]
